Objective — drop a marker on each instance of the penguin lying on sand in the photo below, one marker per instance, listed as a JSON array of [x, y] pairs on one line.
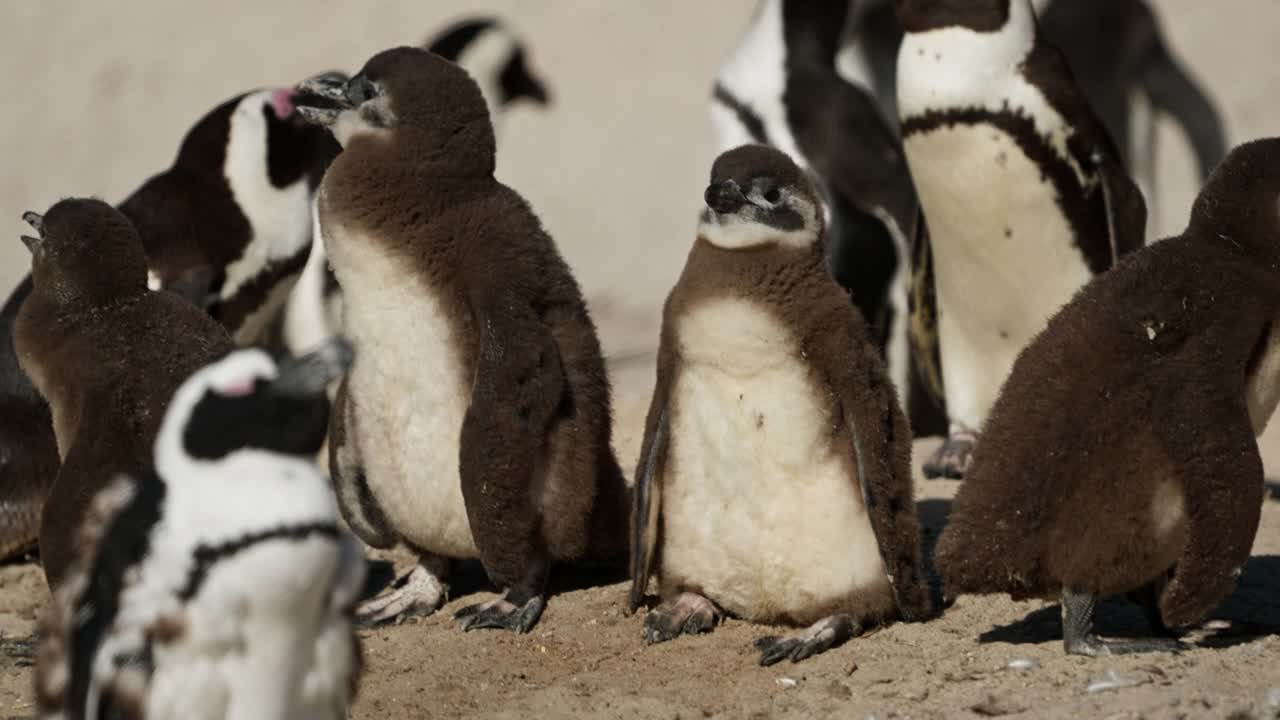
[[105, 352], [475, 422], [227, 227], [216, 583], [774, 481], [496, 57], [781, 87], [1121, 456], [1024, 196]]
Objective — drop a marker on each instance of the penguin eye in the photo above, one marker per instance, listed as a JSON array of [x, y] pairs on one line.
[[773, 196]]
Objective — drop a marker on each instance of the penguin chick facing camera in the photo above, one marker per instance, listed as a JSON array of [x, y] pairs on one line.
[[217, 582], [1121, 455], [475, 422], [106, 354], [774, 482]]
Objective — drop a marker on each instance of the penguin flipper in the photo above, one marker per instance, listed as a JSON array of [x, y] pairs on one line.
[[520, 387], [1172, 90], [1126, 208], [881, 449], [646, 500], [923, 304], [1220, 475], [359, 508]]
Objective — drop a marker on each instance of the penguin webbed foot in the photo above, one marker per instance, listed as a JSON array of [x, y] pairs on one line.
[[1078, 637], [951, 460], [504, 613], [816, 639], [418, 594], [687, 614]]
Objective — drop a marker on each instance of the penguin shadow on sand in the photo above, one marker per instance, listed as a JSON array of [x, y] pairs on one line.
[[1250, 612]]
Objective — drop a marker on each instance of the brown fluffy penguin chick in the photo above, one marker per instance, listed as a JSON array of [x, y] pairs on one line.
[[475, 421], [1121, 455], [774, 482], [106, 353]]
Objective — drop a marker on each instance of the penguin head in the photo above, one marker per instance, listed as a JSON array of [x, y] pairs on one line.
[[759, 196], [257, 141], [409, 95], [496, 58], [1240, 202], [246, 402], [84, 251], [983, 16]]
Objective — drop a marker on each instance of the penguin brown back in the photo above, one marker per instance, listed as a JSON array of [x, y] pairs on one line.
[[106, 353], [475, 422], [1121, 454], [774, 481]]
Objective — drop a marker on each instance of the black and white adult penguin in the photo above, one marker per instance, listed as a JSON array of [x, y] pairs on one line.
[[218, 583], [497, 58], [781, 87], [227, 227], [774, 482], [1120, 59], [475, 422], [105, 353], [1024, 195]]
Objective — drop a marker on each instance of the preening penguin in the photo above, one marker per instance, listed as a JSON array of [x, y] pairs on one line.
[[781, 87], [1024, 196], [475, 422], [496, 57], [774, 481], [217, 583], [105, 353], [1121, 455]]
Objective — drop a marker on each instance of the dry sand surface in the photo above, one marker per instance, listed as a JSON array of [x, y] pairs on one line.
[[100, 93]]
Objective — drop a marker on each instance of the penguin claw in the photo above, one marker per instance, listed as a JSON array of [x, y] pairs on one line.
[[818, 638], [420, 595], [501, 614], [688, 614], [951, 460]]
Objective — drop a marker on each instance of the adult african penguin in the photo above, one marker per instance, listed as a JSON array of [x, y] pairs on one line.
[[497, 58], [227, 227], [1024, 195], [780, 87], [1121, 456], [106, 354], [477, 423], [774, 480], [217, 582]]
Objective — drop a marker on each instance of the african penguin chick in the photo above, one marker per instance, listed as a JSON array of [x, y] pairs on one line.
[[1121, 456], [496, 57], [774, 481], [104, 352], [230, 221], [476, 424], [781, 87], [216, 583], [1023, 193]]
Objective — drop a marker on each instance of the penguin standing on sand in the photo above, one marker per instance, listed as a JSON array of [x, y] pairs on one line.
[[781, 87], [1121, 456], [477, 425], [217, 583], [497, 59], [1024, 196], [105, 353], [774, 482], [227, 227]]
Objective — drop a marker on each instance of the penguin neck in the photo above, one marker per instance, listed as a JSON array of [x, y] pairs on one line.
[[811, 31]]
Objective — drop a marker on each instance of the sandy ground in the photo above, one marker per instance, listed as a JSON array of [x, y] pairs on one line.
[[99, 95]]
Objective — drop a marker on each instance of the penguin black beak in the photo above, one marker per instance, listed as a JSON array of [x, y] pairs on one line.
[[35, 220], [310, 374], [321, 99], [725, 197]]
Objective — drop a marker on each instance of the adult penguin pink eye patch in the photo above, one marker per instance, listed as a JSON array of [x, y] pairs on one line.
[[282, 102]]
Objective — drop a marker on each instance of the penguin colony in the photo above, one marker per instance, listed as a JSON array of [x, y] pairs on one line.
[[978, 235]]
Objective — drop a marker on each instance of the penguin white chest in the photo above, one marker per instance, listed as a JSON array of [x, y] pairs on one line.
[[1005, 255], [761, 506], [409, 392], [1263, 389]]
